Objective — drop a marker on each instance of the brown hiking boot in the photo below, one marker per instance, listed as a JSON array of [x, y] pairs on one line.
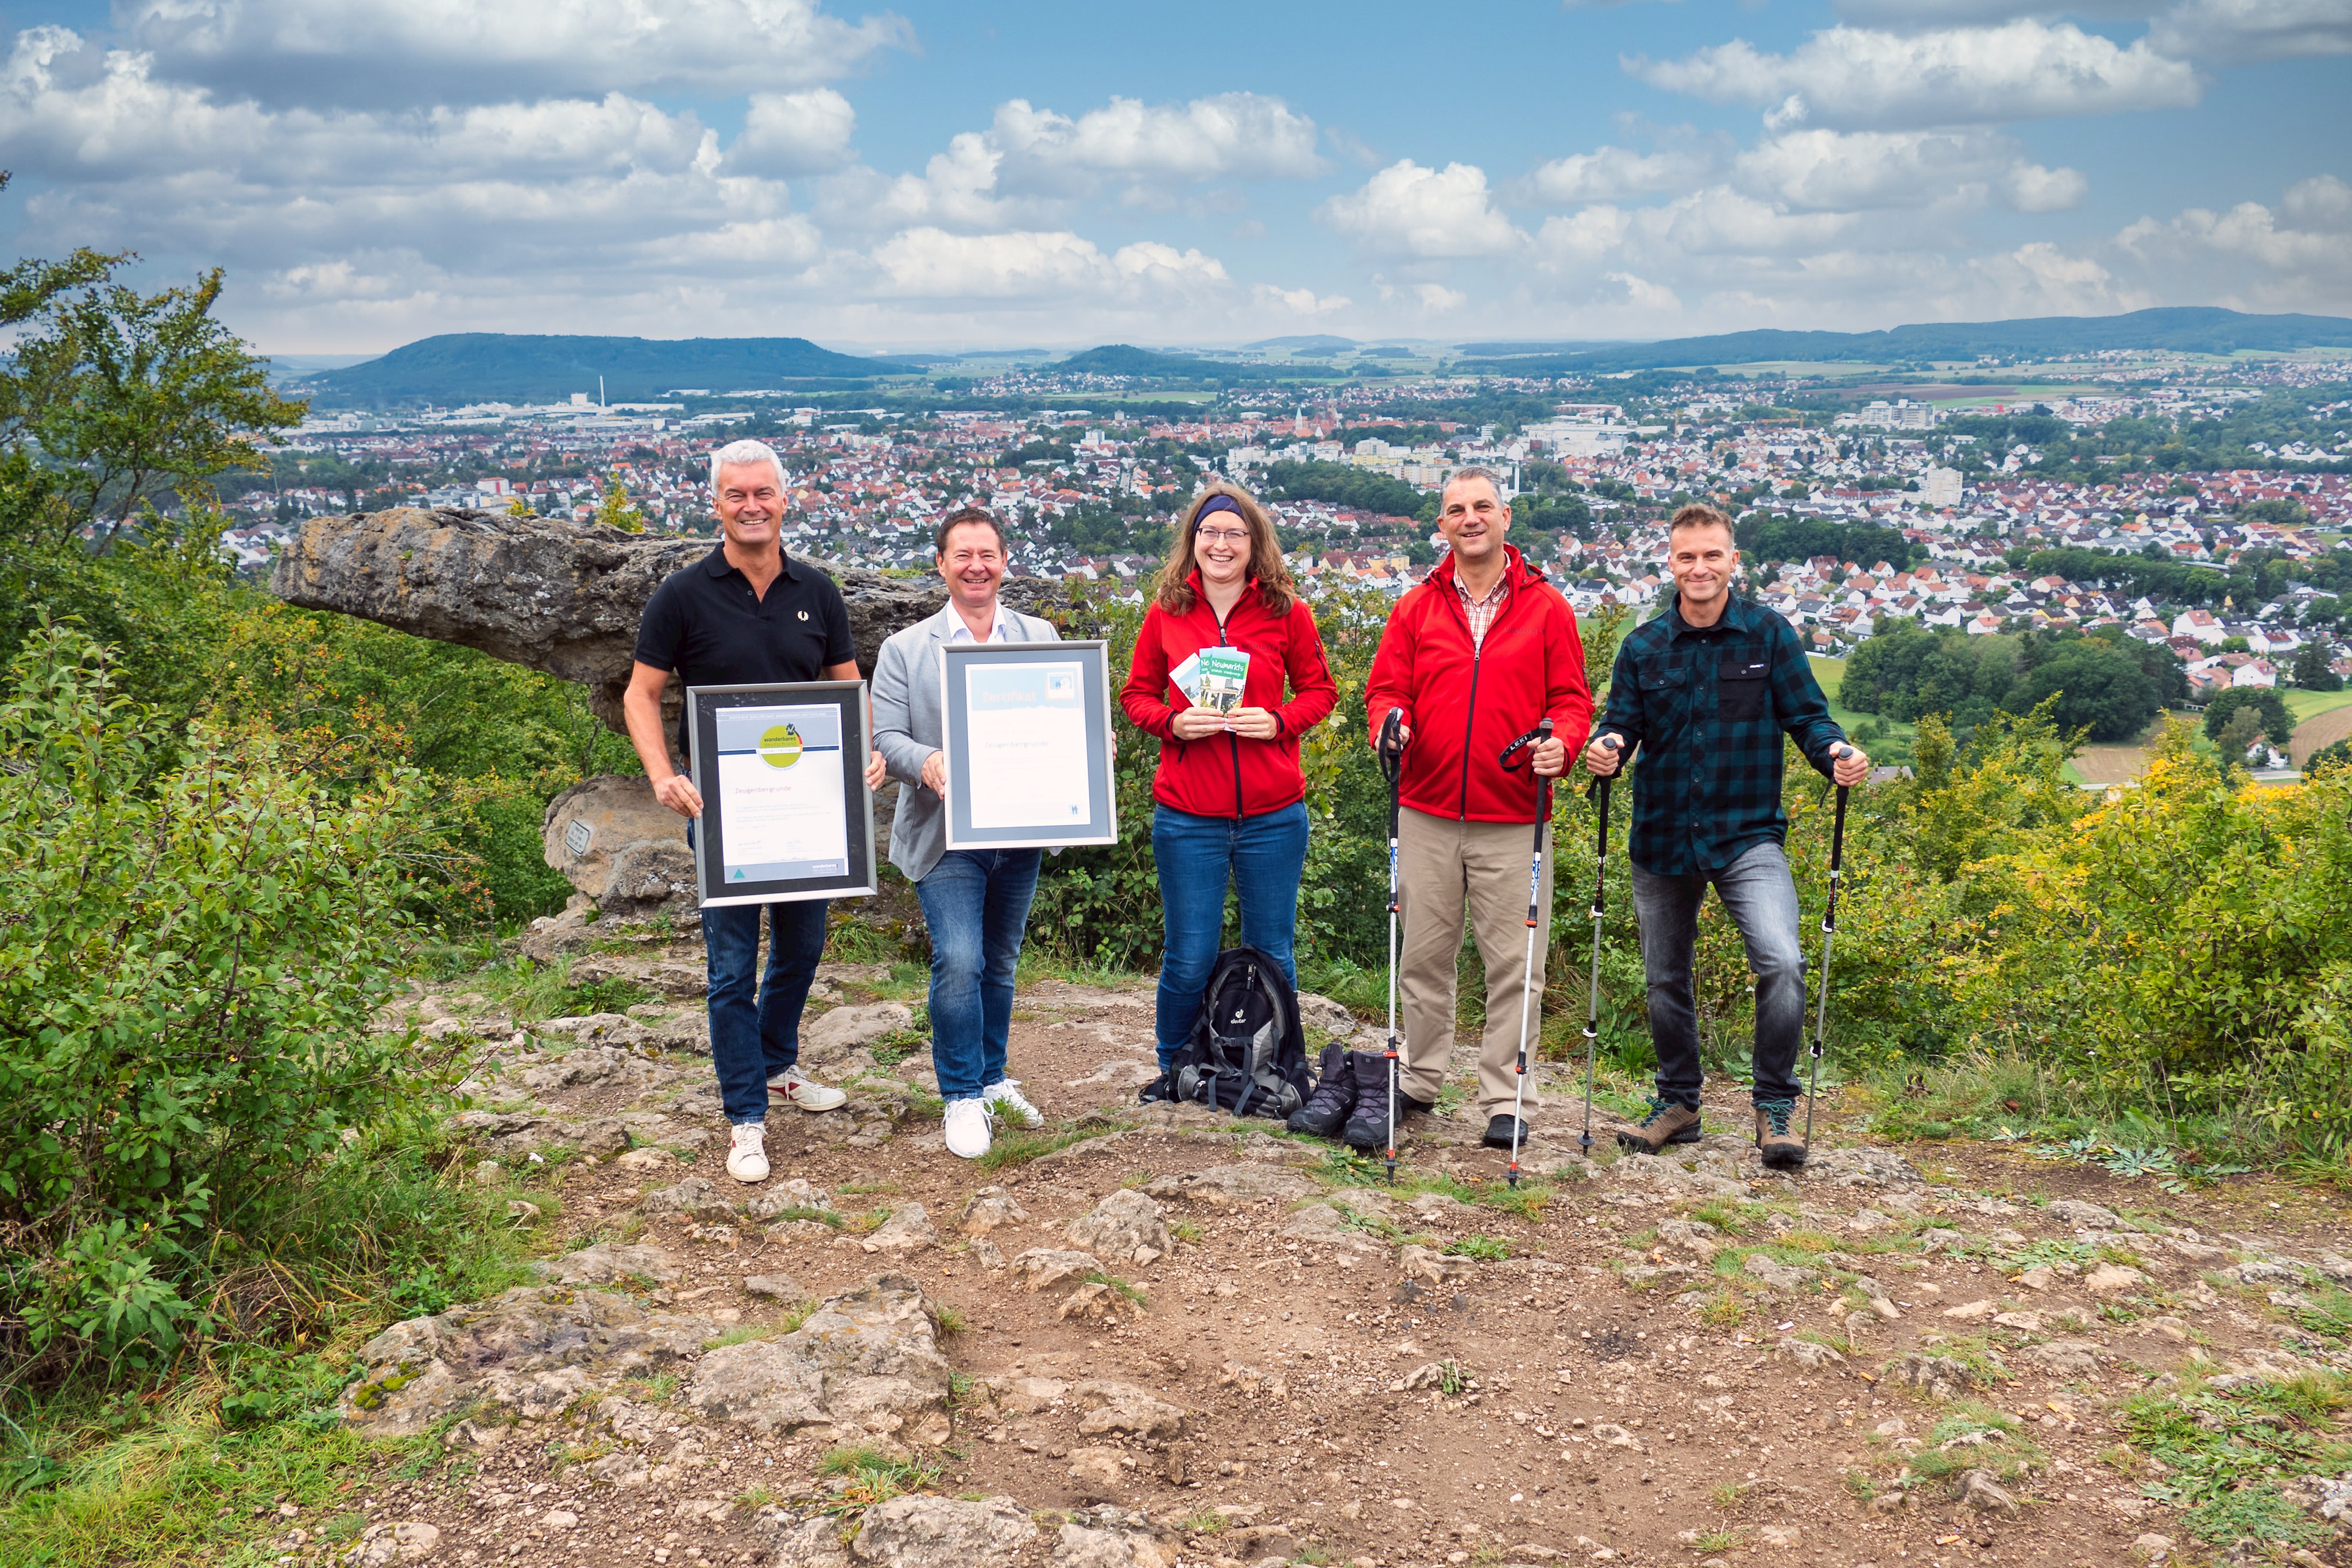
[[1778, 1137], [1664, 1124]]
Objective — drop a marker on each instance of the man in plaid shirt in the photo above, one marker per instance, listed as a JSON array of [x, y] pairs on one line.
[[1704, 693]]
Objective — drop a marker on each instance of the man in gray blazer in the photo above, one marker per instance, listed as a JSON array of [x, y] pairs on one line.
[[976, 902]]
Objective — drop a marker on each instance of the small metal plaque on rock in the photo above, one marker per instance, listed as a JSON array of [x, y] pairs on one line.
[[576, 836]]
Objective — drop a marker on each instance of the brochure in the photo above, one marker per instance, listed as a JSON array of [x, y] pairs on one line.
[[1213, 678]]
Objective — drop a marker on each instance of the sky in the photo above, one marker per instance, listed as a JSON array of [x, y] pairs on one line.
[[1033, 174]]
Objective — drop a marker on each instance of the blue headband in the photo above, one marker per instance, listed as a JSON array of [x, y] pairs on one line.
[[1218, 504]]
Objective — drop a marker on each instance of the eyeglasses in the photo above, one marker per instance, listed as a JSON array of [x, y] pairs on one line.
[[1221, 535]]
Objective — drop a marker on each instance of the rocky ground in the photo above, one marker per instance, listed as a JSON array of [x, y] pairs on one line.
[[1145, 1337]]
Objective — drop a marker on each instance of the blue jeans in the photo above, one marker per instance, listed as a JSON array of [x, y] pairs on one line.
[[1264, 855], [976, 903], [1760, 896], [751, 1045]]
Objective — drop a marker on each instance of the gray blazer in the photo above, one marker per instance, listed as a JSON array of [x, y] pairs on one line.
[[907, 727]]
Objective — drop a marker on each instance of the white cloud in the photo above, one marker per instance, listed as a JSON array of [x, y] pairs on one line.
[[1299, 301], [1859, 78], [392, 52], [1922, 15], [1233, 135], [1436, 299], [2032, 188], [932, 264], [1829, 170], [957, 188], [1408, 210], [793, 133], [2248, 256], [69, 113], [1612, 173], [1580, 240], [2322, 204], [2234, 31]]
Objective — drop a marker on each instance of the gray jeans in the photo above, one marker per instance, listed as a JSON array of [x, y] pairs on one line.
[[1760, 896]]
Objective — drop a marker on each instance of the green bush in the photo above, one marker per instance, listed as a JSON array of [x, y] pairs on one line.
[[196, 938], [2264, 700]]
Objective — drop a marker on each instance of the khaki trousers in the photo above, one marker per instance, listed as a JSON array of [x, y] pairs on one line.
[[1444, 869]]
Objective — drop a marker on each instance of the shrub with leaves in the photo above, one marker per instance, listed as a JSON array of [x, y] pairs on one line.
[[193, 939]]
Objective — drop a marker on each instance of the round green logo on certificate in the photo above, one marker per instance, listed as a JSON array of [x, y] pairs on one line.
[[781, 746]]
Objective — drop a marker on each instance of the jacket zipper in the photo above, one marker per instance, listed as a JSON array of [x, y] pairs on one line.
[[1231, 740], [1477, 656]]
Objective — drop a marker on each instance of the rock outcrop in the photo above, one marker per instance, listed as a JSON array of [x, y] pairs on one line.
[[566, 598], [553, 595]]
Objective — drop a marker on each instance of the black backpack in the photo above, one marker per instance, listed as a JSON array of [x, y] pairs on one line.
[[1248, 1053]]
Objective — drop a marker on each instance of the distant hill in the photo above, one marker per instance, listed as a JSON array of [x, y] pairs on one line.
[[498, 367], [2200, 329], [1126, 360], [1313, 343]]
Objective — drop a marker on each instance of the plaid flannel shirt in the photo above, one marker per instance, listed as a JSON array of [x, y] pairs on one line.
[[1708, 707], [1481, 613]]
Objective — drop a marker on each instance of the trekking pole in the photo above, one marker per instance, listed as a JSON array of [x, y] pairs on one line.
[[1829, 936], [1600, 886], [1538, 736], [1392, 765]]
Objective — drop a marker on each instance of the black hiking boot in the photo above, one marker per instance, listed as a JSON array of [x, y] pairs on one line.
[[1501, 1129], [1326, 1111], [1780, 1144], [1665, 1123], [1368, 1119], [1161, 1087]]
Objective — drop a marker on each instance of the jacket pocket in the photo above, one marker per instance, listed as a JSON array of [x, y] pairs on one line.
[[1742, 690], [1665, 696]]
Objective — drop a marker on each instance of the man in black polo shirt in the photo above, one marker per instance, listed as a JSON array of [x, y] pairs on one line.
[[744, 615]]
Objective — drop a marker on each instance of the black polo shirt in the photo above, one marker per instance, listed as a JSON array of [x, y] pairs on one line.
[[707, 624]]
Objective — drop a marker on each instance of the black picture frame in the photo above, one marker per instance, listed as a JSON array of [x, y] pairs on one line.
[[1098, 822], [716, 720]]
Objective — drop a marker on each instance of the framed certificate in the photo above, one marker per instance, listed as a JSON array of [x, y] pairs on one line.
[[1026, 729], [786, 811]]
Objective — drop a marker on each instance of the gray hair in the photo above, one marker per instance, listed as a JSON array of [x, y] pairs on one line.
[[735, 453], [1473, 471]]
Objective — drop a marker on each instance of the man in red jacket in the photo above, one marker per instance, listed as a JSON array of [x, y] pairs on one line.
[[1474, 655]]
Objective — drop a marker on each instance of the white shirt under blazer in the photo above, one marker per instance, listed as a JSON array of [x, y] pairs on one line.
[[908, 726]]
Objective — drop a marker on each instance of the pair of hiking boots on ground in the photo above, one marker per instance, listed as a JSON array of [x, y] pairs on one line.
[[1776, 1137], [1351, 1102]]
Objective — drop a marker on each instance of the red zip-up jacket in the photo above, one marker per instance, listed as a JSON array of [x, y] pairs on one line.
[[1225, 775], [1465, 703]]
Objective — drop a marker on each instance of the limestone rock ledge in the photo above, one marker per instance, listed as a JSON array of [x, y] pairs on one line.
[[548, 593]]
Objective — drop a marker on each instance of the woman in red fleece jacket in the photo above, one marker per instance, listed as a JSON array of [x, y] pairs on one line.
[[1225, 631]]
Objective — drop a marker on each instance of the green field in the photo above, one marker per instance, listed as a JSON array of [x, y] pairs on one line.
[[2305, 705], [1894, 748]]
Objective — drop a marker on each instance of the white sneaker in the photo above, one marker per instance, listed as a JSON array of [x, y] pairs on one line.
[[799, 1089], [1005, 1098], [966, 1127], [746, 1156]]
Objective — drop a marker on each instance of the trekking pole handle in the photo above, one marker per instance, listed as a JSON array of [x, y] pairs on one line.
[[1536, 736], [1837, 849]]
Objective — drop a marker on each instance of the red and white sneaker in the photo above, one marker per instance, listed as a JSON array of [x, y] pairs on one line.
[[747, 1154], [799, 1089]]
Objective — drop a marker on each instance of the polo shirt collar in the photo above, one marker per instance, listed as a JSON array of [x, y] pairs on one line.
[[716, 564]]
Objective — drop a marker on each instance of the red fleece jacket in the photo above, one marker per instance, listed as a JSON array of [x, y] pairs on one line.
[[1465, 703], [1225, 775]]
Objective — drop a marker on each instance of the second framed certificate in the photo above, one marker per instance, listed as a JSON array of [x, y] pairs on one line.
[[1026, 729]]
